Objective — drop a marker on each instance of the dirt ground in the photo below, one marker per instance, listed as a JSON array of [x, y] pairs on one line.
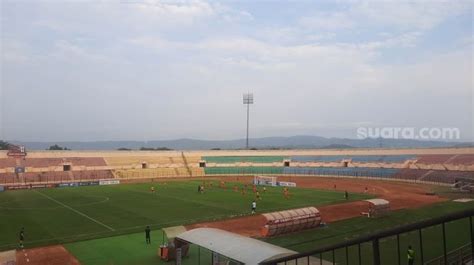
[[400, 195], [52, 255]]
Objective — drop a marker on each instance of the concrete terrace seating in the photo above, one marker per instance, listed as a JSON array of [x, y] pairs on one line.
[[51, 176], [355, 158], [92, 174], [87, 161], [448, 177], [55, 176], [467, 159], [150, 160], [411, 174], [197, 171], [158, 172], [7, 162], [433, 159], [193, 159], [382, 158], [75, 161], [7, 178], [321, 159]]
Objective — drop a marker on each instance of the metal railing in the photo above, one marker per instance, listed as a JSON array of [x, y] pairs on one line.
[[375, 238], [460, 255]]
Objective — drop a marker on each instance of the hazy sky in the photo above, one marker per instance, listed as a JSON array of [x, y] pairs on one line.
[[144, 70]]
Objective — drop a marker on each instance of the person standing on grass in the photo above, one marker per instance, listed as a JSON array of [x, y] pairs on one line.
[[22, 236], [410, 256], [346, 195], [147, 235], [254, 207]]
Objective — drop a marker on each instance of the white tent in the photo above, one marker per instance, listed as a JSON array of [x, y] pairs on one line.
[[239, 248], [378, 207], [378, 201]]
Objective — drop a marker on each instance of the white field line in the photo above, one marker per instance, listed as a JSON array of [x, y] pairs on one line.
[[76, 211]]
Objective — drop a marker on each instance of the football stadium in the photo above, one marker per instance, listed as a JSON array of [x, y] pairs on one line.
[[242, 132], [92, 207]]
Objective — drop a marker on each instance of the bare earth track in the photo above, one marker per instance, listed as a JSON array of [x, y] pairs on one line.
[[52, 255]]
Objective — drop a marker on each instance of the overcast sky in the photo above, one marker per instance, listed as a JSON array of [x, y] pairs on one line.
[[151, 70]]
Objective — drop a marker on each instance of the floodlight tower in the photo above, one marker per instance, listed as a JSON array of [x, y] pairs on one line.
[[248, 99]]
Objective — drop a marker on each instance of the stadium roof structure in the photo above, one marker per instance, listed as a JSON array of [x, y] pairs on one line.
[[378, 201], [236, 247]]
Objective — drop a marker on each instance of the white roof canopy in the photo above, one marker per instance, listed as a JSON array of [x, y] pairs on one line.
[[173, 231], [378, 201], [239, 248]]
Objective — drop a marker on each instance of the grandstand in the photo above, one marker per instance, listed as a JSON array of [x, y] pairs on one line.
[[77, 161], [7, 162], [159, 172], [440, 166]]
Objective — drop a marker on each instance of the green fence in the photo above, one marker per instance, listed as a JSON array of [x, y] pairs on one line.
[[243, 170], [240, 159]]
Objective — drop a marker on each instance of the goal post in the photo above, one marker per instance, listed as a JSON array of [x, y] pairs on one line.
[[265, 181]]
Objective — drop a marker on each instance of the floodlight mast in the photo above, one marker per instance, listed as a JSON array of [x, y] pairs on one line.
[[248, 99]]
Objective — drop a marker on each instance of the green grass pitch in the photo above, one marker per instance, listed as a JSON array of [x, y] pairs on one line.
[[53, 216], [131, 248]]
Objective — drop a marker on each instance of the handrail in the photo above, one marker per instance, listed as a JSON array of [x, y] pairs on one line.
[[377, 235]]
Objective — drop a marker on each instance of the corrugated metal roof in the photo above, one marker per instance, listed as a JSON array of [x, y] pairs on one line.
[[239, 248]]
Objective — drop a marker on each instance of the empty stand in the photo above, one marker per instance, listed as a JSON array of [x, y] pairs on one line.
[[75, 161], [8, 178], [335, 158], [355, 158], [467, 159], [92, 174], [343, 171], [448, 177], [433, 159], [412, 174], [150, 160], [382, 158], [158, 172], [7, 162]]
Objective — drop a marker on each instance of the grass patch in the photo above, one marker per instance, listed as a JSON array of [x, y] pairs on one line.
[[52, 216]]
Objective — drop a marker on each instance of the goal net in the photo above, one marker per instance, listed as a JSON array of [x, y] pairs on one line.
[[265, 180]]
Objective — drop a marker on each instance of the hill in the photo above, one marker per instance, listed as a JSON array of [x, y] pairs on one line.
[[292, 142]]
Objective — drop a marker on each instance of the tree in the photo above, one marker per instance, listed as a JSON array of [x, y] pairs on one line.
[[57, 147], [155, 149], [4, 145], [124, 149]]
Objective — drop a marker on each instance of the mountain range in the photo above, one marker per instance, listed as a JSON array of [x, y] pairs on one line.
[[292, 142]]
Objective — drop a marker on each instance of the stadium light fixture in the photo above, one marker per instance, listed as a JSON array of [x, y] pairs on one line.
[[248, 99]]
